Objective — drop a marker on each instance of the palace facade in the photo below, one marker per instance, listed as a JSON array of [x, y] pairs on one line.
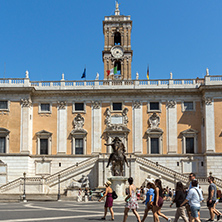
[[51, 129]]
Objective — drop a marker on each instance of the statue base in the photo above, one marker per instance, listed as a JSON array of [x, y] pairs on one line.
[[119, 186]]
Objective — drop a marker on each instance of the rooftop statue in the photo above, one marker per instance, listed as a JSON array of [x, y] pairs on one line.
[[117, 157]]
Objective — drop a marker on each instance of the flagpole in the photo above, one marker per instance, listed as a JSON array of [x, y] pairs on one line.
[[85, 72]]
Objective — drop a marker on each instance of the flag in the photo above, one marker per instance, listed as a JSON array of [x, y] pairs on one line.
[[148, 73], [84, 74], [112, 71]]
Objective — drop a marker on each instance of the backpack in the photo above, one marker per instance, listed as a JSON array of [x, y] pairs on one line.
[[114, 195], [218, 194]]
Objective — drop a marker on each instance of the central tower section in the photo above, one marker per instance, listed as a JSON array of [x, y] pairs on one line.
[[117, 53]]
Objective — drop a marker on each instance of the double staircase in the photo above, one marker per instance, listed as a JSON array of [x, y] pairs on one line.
[[168, 174], [41, 185], [49, 185]]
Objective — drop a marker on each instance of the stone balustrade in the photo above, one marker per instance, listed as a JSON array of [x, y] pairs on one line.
[[53, 179], [104, 84], [164, 170]]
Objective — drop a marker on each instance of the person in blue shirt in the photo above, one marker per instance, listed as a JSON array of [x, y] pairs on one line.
[[149, 199]]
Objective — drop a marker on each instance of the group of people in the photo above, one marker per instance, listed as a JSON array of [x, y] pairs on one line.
[[154, 201], [186, 199], [84, 193], [168, 193]]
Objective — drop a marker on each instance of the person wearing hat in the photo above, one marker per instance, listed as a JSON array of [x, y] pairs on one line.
[[109, 200]]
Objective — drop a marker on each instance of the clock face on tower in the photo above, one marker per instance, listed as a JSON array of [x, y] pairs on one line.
[[117, 52]]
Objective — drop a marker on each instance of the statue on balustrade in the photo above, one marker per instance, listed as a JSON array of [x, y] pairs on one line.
[[117, 158]]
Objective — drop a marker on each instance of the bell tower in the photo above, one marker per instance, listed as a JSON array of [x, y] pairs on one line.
[[117, 53]]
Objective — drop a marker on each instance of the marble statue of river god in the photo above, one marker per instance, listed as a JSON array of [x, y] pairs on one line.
[[117, 158]]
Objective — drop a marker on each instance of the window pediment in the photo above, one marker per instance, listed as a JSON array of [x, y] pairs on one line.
[[4, 131], [154, 131], [190, 132], [44, 133], [79, 132]]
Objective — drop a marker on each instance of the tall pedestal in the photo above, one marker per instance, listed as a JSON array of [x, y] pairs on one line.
[[119, 185]]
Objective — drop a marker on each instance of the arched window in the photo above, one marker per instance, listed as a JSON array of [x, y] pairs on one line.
[[117, 38], [118, 64]]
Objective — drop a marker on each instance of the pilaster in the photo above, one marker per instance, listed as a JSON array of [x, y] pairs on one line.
[[96, 127], [61, 128], [209, 125], [171, 127], [137, 127], [26, 117]]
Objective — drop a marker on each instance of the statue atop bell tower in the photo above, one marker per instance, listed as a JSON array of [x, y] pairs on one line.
[[117, 53]]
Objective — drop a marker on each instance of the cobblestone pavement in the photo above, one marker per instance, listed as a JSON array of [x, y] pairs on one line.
[[68, 211]]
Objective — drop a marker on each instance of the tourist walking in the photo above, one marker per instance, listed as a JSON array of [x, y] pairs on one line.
[[86, 197], [194, 197], [158, 202], [212, 197], [109, 201], [179, 198], [192, 177], [131, 201], [79, 198], [149, 199]]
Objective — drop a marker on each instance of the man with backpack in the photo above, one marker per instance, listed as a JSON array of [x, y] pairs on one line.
[[212, 197]]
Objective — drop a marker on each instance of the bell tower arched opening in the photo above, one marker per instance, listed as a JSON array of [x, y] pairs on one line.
[[118, 65], [117, 38]]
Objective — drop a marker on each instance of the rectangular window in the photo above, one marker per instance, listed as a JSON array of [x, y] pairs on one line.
[[79, 106], [154, 145], [2, 144], [45, 107], [78, 146], [3, 104], [189, 145], [117, 106], [154, 106], [44, 146], [188, 106]]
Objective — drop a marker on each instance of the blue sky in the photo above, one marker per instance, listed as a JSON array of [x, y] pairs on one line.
[[51, 37]]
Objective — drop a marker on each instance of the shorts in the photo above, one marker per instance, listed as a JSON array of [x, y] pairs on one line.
[[148, 206], [194, 211], [210, 205]]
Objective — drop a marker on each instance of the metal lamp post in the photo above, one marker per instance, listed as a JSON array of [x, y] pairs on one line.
[[24, 195], [58, 198], [175, 181]]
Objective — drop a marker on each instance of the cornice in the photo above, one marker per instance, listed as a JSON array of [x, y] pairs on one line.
[[117, 92], [210, 88], [19, 90]]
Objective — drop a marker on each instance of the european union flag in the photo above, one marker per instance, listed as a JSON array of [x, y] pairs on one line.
[[84, 74]]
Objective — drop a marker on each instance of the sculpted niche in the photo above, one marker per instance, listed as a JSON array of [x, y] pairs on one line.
[[116, 119], [78, 122], [154, 121]]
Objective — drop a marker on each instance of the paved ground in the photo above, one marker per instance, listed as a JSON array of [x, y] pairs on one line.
[[67, 211]]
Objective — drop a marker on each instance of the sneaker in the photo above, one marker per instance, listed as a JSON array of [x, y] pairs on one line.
[[209, 220], [218, 217], [169, 219]]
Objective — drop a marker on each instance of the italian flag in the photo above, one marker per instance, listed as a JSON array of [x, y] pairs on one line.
[[112, 71]]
